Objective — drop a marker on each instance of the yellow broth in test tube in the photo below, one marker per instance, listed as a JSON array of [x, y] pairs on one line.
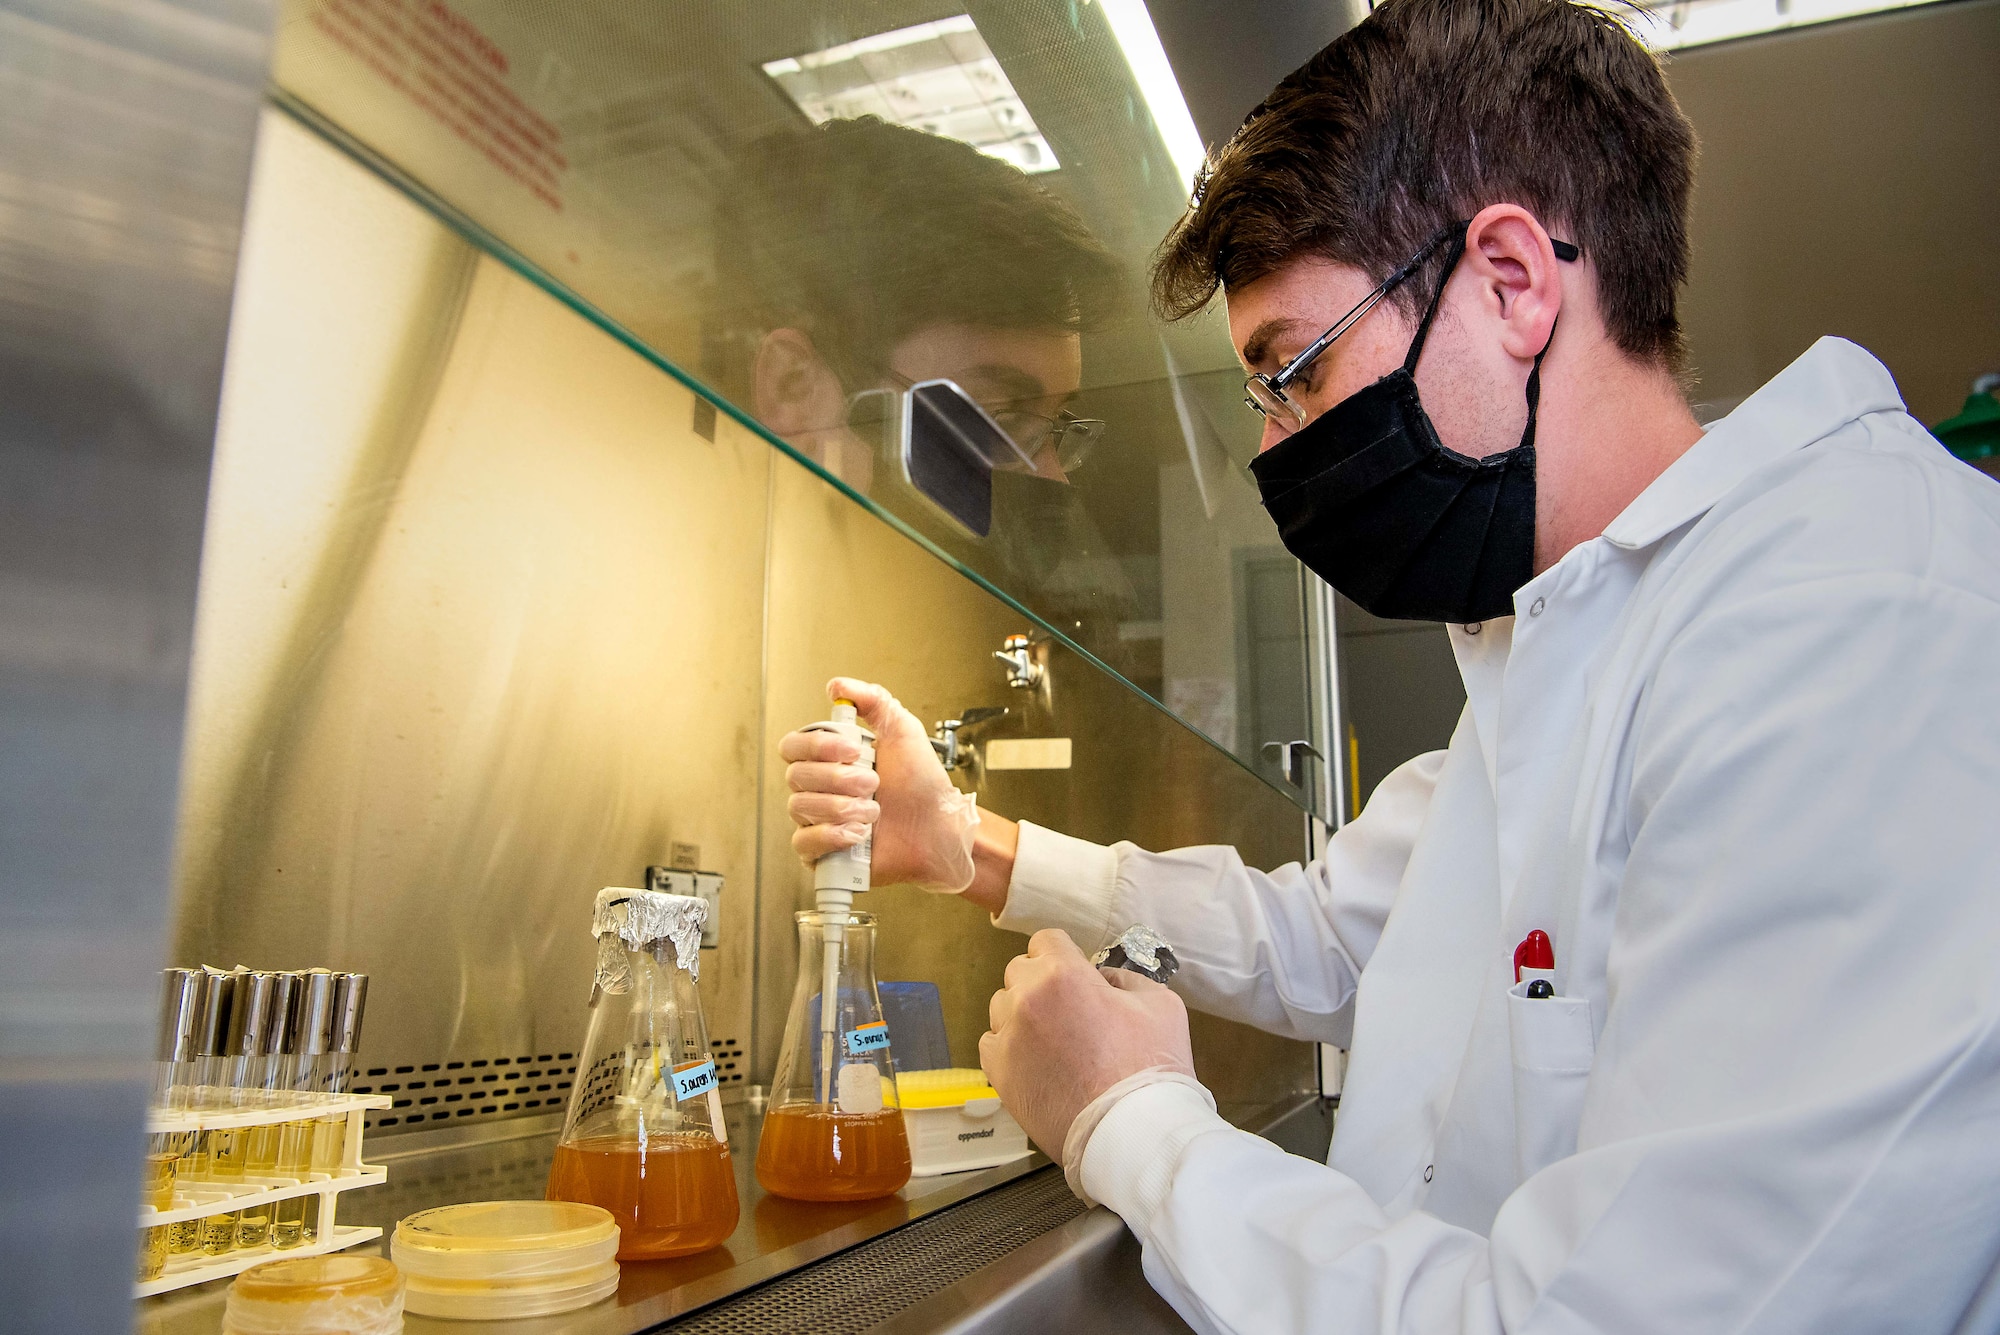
[[152, 1253], [160, 1173], [328, 1142], [184, 1236], [288, 1219], [218, 1234], [260, 1158], [227, 1149], [253, 1226]]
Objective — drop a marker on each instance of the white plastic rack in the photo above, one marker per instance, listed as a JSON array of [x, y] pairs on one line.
[[200, 1199]]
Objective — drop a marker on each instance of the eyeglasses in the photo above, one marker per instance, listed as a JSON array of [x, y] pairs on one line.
[[1071, 437], [1266, 393]]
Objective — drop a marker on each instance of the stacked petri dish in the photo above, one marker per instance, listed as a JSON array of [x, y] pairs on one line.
[[497, 1259], [316, 1295]]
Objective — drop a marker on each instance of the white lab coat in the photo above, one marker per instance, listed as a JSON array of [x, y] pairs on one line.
[[1740, 758]]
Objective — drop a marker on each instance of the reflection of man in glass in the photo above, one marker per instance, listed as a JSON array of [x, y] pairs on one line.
[[859, 255]]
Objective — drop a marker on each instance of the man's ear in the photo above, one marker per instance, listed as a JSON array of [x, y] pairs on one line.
[[793, 390], [1510, 253], [797, 395]]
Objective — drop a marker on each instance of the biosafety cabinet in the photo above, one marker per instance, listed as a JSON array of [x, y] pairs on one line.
[[396, 563], [601, 379]]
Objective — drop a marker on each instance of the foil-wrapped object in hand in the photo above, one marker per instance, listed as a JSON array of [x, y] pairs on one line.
[[1141, 950]]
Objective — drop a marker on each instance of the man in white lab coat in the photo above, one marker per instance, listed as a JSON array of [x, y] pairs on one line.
[[1732, 742]]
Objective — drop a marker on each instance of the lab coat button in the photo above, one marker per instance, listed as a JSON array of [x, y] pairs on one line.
[[1536, 609], [1428, 1168], [1474, 627]]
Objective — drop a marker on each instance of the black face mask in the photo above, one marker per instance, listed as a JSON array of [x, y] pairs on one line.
[[1371, 501]]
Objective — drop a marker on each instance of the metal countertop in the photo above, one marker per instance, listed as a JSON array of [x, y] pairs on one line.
[[774, 1237]]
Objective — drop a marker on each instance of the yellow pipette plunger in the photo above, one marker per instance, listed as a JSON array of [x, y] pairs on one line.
[[837, 878]]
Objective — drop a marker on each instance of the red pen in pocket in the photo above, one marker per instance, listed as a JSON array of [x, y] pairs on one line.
[[1534, 953]]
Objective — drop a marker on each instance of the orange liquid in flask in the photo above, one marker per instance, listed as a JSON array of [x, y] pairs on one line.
[[673, 1196], [811, 1152]]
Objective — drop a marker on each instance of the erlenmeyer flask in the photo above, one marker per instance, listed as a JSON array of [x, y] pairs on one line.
[[834, 1131], [644, 1137]]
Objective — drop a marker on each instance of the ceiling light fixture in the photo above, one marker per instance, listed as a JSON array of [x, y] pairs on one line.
[[1675, 25], [939, 77], [1147, 59]]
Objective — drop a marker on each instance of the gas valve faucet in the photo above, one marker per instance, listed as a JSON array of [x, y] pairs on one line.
[[1018, 653]]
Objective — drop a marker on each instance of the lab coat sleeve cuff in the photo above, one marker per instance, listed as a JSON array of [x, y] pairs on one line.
[[1130, 1161], [1062, 882]]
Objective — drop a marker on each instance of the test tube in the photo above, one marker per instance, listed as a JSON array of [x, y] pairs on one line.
[[211, 1041], [265, 1081], [350, 1000], [329, 1151], [214, 1234], [309, 1036], [185, 1236], [153, 1245], [173, 1060], [274, 1074], [211, 1046], [177, 1055], [173, 1080], [249, 1017]]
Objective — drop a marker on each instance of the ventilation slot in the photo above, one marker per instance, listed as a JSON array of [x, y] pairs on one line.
[[433, 1093]]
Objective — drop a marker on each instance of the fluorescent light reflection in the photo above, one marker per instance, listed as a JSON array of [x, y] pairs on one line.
[[939, 77], [1147, 59], [1673, 25]]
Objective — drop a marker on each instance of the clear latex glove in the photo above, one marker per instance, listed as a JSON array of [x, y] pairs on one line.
[[923, 825], [1085, 1123], [1065, 1033]]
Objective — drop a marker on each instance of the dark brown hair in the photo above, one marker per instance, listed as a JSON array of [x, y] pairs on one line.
[[860, 233], [1429, 111]]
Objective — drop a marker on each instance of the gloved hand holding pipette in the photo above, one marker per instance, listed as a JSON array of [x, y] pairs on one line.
[[923, 825]]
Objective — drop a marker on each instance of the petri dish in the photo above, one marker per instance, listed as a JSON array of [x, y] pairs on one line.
[[496, 1259], [316, 1295], [472, 1301]]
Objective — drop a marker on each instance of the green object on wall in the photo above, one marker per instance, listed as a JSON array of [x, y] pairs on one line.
[[1975, 432]]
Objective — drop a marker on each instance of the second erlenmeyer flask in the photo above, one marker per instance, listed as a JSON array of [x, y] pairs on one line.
[[645, 1137], [834, 1131]]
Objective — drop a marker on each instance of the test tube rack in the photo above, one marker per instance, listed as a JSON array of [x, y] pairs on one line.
[[200, 1199]]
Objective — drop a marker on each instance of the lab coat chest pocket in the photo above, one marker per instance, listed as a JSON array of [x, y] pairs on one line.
[[1553, 1045]]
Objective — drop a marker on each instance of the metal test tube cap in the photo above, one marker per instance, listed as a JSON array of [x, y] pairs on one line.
[[180, 1013], [250, 1013], [350, 1001], [278, 1026], [218, 997], [312, 1015]]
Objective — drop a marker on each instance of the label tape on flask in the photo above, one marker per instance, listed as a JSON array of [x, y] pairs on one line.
[[695, 1077], [870, 1037]]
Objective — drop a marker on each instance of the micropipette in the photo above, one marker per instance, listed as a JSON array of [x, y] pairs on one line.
[[837, 878]]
